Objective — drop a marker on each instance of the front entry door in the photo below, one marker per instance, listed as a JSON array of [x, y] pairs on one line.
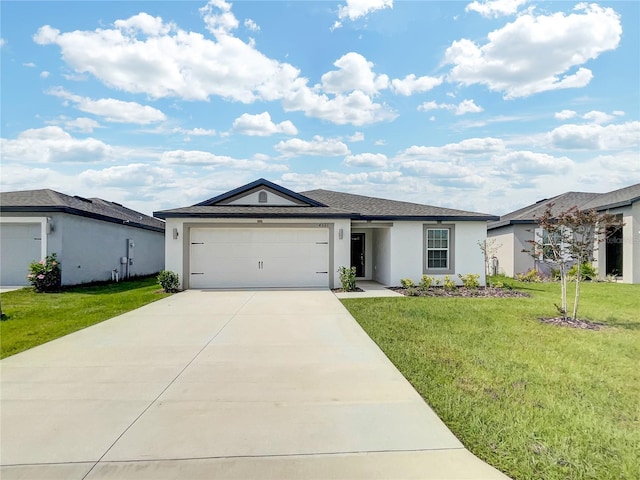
[[357, 253]]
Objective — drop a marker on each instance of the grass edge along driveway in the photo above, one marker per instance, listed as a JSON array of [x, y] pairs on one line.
[[36, 318], [532, 399]]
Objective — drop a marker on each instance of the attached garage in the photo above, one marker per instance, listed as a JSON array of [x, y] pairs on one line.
[[238, 257], [20, 244]]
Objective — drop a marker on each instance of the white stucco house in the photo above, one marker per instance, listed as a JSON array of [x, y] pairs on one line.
[[264, 235], [618, 257], [90, 236]]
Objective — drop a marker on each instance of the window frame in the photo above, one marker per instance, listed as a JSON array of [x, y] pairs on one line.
[[450, 269]]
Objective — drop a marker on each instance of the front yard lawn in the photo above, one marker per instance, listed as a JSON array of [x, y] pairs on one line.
[[535, 400], [35, 318]]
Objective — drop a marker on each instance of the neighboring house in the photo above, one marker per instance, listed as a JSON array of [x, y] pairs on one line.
[[619, 256], [90, 236], [264, 235]]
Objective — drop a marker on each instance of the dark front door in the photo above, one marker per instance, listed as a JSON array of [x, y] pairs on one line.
[[357, 253], [613, 252]]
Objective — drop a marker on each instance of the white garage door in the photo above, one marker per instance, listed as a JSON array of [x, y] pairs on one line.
[[19, 246], [259, 257]]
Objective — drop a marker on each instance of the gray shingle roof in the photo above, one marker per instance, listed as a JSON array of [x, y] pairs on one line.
[[372, 207], [565, 201], [47, 200], [336, 204]]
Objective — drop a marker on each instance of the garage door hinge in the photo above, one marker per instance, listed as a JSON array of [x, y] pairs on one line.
[[197, 273], [322, 272], [322, 243], [197, 243]]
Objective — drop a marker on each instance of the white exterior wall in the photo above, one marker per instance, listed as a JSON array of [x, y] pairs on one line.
[[407, 250], [90, 249], [503, 241], [175, 248]]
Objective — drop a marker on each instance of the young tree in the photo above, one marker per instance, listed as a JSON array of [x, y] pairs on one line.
[[489, 248], [572, 237]]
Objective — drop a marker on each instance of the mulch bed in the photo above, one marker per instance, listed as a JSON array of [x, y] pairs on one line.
[[570, 322], [462, 292], [341, 290]]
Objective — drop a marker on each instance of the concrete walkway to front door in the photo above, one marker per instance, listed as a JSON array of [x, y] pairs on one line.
[[225, 385]]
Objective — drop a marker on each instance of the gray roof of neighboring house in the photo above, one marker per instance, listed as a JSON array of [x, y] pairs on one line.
[[322, 203], [46, 200], [565, 201]]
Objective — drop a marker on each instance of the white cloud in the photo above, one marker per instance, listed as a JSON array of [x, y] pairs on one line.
[[354, 73], [356, 137], [145, 55], [565, 114], [355, 9], [144, 23], [464, 107], [111, 109], [495, 8], [339, 181], [537, 53], [534, 163], [262, 126], [626, 163], [251, 25], [618, 113], [317, 147], [208, 159], [82, 124], [218, 17], [196, 132], [595, 137], [355, 108], [412, 84], [453, 151], [595, 116], [369, 160], [44, 74], [135, 174], [29, 64], [468, 106], [53, 145]]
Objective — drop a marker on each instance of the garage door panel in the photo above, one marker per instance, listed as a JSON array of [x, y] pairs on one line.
[[20, 244], [259, 257]]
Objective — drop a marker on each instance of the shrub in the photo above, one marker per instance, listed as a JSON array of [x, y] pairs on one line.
[[588, 271], [407, 283], [348, 278], [448, 284], [470, 280], [45, 275], [169, 281], [426, 282], [532, 276]]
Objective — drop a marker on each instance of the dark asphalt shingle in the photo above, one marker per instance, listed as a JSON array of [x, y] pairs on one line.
[[47, 200]]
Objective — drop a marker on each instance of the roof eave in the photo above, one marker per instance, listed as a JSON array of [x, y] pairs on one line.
[[81, 213]]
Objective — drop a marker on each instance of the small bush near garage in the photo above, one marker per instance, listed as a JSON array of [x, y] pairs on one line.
[[45, 275], [347, 278], [169, 281]]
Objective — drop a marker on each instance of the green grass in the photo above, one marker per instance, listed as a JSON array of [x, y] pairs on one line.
[[536, 401], [33, 318]]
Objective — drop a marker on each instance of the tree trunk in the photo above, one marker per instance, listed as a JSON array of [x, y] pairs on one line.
[[577, 296], [563, 289]]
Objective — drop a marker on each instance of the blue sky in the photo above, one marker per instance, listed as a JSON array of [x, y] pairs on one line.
[[484, 106]]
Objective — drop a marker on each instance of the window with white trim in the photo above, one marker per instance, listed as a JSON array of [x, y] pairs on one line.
[[438, 249]]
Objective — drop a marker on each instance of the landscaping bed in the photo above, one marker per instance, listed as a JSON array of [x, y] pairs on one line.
[[460, 292]]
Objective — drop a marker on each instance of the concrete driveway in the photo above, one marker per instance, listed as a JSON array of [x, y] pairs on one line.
[[222, 384]]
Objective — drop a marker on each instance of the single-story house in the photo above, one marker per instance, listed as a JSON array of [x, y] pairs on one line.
[[264, 235], [618, 257], [91, 237]]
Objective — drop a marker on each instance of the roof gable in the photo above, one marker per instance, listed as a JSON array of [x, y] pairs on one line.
[[260, 193]]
